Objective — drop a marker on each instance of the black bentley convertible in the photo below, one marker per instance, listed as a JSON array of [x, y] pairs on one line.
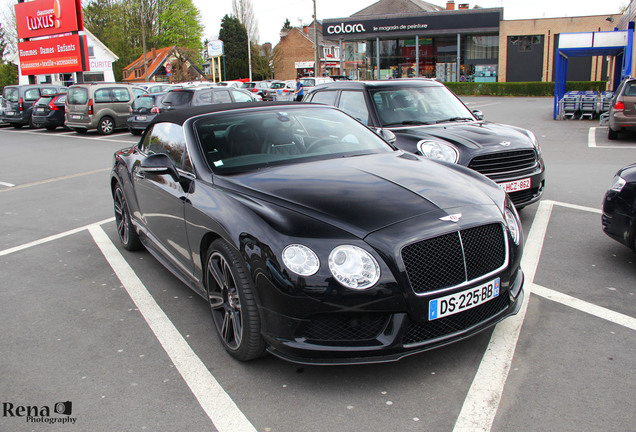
[[313, 238]]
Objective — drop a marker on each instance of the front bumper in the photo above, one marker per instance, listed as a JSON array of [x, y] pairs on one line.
[[355, 338]]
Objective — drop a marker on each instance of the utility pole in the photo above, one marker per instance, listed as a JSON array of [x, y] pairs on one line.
[[143, 41], [316, 56]]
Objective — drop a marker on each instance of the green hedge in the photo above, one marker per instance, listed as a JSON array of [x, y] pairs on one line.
[[519, 88]]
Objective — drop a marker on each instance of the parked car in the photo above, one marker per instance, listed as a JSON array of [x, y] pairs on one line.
[[143, 111], [2, 108], [428, 119], [19, 101], [158, 87], [101, 106], [619, 207], [313, 238], [257, 87], [314, 81], [48, 111], [235, 84], [622, 112], [188, 97], [281, 91]]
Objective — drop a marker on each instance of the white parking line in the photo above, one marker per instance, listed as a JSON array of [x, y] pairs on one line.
[[591, 141], [54, 179], [583, 306], [7, 184], [484, 395], [51, 238], [217, 404]]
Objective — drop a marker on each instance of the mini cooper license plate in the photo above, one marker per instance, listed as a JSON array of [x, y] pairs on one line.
[[463, 300], [517, 185]]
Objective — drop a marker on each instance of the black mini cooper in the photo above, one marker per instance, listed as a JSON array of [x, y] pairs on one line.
[[428, 119]]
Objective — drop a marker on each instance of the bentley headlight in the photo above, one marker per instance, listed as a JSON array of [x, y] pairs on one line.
[[301, 260], [514, 226], [354, 267], [617, 184], [438, 150]]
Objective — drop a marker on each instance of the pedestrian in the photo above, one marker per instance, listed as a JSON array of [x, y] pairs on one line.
[[299, 90]]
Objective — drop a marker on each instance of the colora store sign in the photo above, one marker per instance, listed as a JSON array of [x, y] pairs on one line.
[[48, 17]]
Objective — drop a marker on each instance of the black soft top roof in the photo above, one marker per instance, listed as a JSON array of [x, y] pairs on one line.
[[179, 116]]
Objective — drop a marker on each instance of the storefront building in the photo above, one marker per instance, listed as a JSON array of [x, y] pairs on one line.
[[450, 45]]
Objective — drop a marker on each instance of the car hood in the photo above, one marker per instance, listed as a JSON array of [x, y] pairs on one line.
[[362, 194], [473, 135]]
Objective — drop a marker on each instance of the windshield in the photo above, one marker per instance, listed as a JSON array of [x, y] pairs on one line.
[[11, 94], [419, 105], [249, 140], [177, 97], [277, 85], [44, 100], [143, 102], [77, 96]]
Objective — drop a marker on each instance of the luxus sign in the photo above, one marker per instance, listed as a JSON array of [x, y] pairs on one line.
[[48, 17]]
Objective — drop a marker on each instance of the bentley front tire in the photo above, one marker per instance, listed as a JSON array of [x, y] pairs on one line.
[[232, 302]]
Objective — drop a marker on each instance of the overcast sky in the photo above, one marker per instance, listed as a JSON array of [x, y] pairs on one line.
[[271, 14]]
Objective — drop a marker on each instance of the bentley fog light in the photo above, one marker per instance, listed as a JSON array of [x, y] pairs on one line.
[[513, 225], [301, 260], [438, 150], [354, 267]]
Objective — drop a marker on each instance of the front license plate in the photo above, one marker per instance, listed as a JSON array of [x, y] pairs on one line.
[[76, 117], [517, 185], [463, 300], [140, 118]]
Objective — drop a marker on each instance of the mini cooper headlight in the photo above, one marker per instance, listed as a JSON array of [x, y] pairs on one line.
[[617, 184], [438, 150], [512, 220], [354, 267], [301, 260]]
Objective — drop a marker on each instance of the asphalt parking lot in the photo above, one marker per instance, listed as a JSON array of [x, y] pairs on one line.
[[124, 346]]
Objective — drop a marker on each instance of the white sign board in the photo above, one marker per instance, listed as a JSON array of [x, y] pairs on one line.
[[215, 48]]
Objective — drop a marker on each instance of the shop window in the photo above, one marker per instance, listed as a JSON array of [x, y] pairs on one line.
[[525, 43]]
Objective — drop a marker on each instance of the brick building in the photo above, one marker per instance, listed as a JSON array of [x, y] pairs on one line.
[[527, 47], [414, 38], [294, 55]]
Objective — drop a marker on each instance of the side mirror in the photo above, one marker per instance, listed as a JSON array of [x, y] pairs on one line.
[[478, 114], [387, 135], [159, 164]]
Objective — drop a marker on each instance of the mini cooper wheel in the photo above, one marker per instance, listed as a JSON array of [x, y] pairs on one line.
[[125, 229], [232, 302], [106, 126]]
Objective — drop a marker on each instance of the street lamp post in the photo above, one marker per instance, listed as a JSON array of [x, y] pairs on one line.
[[316, 56]]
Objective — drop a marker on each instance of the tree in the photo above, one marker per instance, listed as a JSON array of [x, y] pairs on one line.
[[118, 24], [179, 24], [243, 10], [286, 26], [234, 37], [8, 72]]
